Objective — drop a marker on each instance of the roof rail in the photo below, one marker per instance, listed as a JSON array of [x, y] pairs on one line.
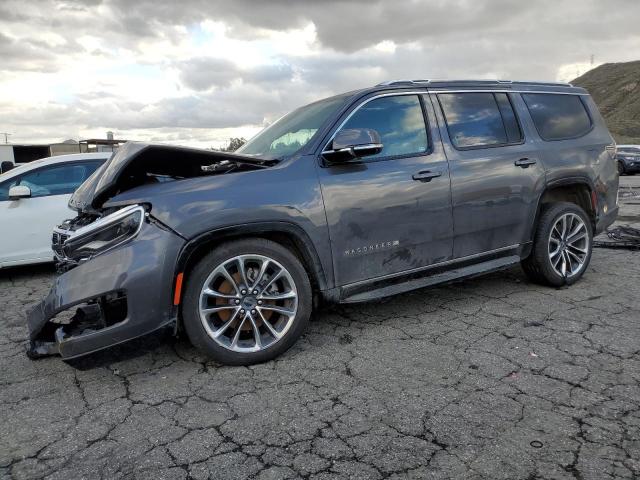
[[402, 82], [471, 82]]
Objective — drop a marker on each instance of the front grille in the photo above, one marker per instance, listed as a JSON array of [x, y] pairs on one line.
[[57, 240]]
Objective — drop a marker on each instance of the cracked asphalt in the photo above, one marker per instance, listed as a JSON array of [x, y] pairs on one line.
[[490, 378]]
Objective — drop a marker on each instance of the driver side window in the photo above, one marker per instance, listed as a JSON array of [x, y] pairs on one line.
[[54, 180], [400, 122]]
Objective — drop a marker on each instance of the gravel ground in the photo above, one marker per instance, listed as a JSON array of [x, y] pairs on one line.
[[490, 378]]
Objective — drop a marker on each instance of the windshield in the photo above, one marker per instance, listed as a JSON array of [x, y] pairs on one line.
[[293, 131], [627, 150]]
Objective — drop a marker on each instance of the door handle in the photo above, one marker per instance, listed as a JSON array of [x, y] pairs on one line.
[[524, 162], [426, 175]]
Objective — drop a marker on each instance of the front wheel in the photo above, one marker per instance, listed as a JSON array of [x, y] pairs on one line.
[[247, 302], [562, 246]]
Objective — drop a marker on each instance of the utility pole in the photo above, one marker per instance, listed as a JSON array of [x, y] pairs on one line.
[[592, 59], [5, 136]]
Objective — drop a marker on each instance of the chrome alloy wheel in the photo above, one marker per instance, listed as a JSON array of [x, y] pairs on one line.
[[568, 245], [248, 303]]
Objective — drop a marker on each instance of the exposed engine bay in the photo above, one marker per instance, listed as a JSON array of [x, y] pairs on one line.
[[136, 164]]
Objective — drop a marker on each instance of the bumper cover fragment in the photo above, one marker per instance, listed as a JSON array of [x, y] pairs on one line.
[[89, 298]]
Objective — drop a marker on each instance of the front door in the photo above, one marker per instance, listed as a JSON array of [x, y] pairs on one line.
[[496, 172], [30, 222], [390, 212]]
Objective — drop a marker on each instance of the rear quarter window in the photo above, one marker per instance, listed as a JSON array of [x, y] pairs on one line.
[[558, 117]]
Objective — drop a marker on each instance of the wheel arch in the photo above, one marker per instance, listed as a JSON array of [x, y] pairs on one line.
[[284, 233], [578, 190]]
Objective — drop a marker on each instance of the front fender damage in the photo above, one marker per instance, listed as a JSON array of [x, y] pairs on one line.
[[112, 298]]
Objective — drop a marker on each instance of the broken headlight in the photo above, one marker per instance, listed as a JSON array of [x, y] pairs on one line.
[[104, 234]]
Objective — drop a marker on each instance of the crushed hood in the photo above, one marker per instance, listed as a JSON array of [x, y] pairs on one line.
[[134, 162]]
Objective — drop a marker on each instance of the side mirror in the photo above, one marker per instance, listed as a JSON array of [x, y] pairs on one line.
[[352, 144], [19, 191]]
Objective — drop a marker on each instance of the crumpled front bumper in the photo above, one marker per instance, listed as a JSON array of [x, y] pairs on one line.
[[140, 271]]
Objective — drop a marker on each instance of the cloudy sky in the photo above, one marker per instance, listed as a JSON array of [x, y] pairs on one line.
[[197, 72]]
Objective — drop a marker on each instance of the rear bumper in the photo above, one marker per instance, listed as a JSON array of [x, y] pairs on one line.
[[605, 220], [140, 273]]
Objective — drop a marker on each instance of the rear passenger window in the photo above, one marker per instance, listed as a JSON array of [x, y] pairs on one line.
[[480, 119], [400, 122], [558, 117]]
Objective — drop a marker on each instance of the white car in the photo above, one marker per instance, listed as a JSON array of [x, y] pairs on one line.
[[33, 200]]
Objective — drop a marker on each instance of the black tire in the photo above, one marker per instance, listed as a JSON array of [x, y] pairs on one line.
[[537, 265], [621, 170], [199, 274]]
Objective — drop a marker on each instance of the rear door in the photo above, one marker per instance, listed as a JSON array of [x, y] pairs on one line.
[[496, 173], [28, 222], [390, 212]]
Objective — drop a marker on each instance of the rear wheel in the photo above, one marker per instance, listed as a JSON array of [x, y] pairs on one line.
[[620, 168], [562, 246], [247, 302]]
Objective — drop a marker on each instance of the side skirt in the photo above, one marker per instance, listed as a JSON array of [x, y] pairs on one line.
[[377, 289]]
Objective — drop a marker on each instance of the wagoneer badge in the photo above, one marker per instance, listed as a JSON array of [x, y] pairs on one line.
[[374, 247]]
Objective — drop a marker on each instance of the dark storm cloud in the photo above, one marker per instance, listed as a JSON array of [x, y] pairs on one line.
[[431, 39], [25, 55], [209, 110], [203, 73], [350, 25], [249, 105], [269, 74]]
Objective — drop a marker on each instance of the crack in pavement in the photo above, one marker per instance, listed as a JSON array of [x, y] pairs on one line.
[[490, 378]]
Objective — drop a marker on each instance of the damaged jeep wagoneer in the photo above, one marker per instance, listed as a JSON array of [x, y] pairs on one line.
[[352, 198]]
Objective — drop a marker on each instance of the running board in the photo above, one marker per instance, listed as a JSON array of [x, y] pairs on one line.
[[355, 294]]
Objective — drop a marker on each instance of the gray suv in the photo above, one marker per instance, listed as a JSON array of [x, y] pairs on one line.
[[350, 199]]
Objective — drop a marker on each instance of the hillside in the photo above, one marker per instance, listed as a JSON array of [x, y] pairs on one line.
[[615, 87]]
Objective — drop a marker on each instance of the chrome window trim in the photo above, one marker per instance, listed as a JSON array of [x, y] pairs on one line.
[[435, 90], [390, 94], [592, 124], [523, 138], [357, 148]]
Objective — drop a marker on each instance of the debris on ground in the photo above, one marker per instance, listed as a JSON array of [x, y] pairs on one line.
[[622, 236]]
